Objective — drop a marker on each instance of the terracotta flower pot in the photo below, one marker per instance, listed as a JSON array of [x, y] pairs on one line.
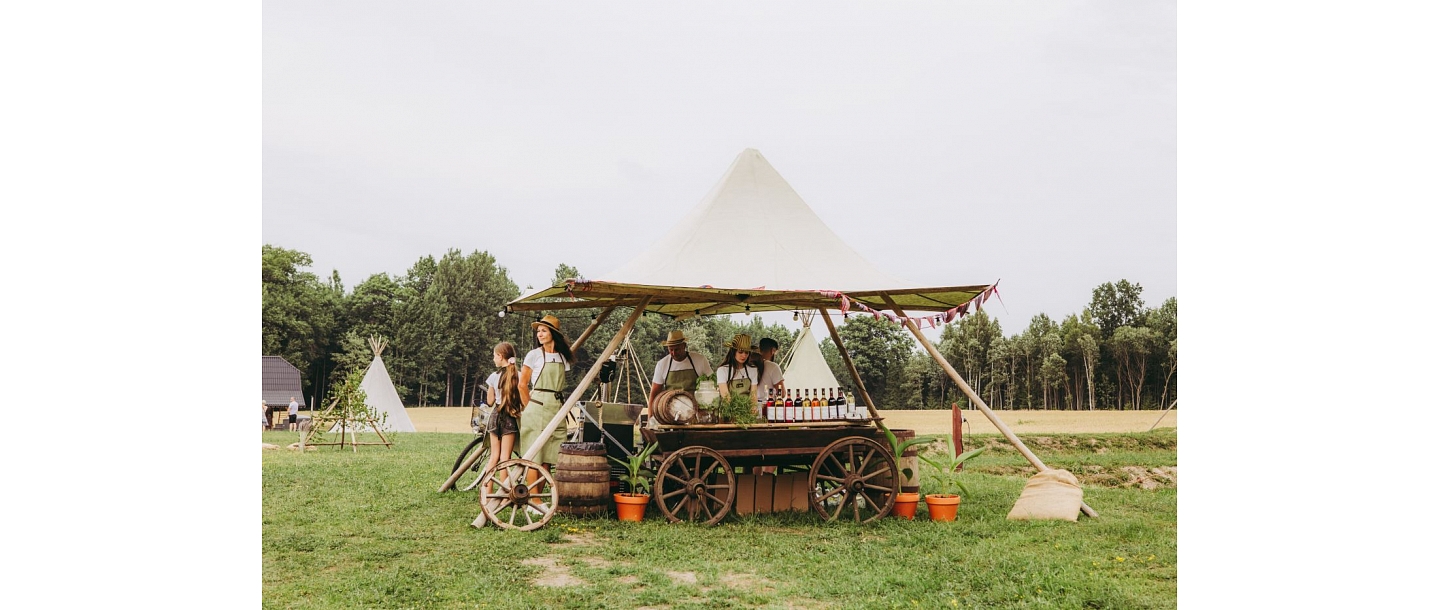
[[631, 507], [905, 505], [942, 508]]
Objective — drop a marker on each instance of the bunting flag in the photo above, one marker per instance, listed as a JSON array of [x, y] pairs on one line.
[[933, 320]]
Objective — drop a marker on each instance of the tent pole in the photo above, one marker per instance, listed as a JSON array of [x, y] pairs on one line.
[[585, 382], [589, 330], [1162, 415], [974, 398], [859, 385]]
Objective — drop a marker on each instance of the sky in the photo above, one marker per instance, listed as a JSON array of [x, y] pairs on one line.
[[949, 143]]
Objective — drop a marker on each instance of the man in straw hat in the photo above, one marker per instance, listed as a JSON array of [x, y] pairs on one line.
[[680, 369]]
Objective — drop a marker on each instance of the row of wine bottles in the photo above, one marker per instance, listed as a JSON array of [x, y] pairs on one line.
[[822, 405]]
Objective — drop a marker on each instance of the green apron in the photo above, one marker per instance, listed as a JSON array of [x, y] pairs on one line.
[[545, 402], [740, 385], [681, 380]]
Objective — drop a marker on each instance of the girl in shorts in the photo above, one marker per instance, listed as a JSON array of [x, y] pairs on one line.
[[504, 424]]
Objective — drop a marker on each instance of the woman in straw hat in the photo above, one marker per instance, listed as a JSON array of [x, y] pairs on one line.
[[740, 373], [542, 383]]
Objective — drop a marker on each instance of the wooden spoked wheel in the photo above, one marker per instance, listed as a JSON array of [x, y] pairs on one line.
[[695, 484], [519, 495], [854, 478]]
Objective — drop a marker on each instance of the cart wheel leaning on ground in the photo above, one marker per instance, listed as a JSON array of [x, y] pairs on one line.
[[695, 484], [518, 495], [854, 478], [465, 480]]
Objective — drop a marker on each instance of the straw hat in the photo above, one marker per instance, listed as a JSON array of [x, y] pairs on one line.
[[550, 322], [676, 337], [741, 343]]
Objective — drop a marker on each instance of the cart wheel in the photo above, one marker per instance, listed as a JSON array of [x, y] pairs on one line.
[[518, 495], [467, 479], [695, 484], [855, 478]]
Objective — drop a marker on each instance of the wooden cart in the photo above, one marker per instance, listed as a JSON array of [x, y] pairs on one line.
[[851, 472]]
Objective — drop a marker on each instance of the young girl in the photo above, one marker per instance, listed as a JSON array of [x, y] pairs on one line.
[[504, 425]]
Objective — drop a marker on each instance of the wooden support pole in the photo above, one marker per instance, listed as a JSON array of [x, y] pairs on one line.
[[589, 330], [975, 398], [859, 385], [585, 382]]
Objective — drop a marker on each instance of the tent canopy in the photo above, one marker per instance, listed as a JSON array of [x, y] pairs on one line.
[[789, 260]]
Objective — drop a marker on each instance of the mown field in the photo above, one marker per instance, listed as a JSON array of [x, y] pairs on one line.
[[366, 530]]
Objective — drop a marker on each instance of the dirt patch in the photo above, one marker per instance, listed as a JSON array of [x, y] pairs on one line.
[[552, 573], [581, 539], [627, 580], [596, 562], [1153, 478], [683, 578], [747, 582]]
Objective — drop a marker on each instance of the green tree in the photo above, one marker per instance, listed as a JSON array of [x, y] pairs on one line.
[[298, 313], [879, 349]]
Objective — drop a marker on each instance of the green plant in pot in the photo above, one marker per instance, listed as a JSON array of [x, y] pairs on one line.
[[905, 501], [631, 506], [942, 506]]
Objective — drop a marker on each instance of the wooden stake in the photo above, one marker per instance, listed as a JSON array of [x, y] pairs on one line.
[[975, 398], [859, 385], [584, 383]]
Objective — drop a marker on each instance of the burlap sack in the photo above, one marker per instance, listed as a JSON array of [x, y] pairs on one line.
[[1052, 494]]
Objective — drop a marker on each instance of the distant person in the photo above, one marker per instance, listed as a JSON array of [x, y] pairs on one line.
[[264, 416], [772, 378], [294, 412], [680, 369]]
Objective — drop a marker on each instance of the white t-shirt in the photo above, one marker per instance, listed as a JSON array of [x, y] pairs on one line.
[[694, 361], [536, 360], [493, 382], [769, 378], [294, 407], [722, 377]]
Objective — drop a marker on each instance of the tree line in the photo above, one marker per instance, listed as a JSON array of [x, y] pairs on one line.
[[441, 321]]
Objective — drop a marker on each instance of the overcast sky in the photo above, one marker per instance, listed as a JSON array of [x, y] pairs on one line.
[[949, 142]]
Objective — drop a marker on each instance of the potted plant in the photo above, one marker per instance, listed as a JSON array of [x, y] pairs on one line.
[[631, 506], [942, 506], [905, 501]]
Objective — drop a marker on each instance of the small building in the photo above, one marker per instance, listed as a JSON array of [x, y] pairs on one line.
[[279, 380]]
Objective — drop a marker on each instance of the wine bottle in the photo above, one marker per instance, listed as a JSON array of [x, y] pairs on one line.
[[789, 414]]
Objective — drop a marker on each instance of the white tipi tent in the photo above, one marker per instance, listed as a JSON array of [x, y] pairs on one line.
[[805, 367], [381, 396]]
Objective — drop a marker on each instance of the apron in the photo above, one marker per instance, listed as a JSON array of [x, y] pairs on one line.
[[544, 403], [740, 385], [681, 380]]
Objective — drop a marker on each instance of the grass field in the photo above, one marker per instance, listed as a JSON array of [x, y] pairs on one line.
[[349, 530]]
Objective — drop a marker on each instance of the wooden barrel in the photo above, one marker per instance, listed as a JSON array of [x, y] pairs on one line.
[[910, 459], [675, 407], [582, 478]]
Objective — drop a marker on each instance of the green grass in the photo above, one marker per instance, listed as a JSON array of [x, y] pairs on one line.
[[367, 530]]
